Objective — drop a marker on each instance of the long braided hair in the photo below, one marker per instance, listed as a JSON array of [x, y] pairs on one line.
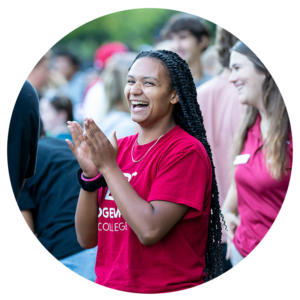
[[187, 114]]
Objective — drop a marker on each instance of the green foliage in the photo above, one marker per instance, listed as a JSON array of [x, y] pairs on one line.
[[132, 27]]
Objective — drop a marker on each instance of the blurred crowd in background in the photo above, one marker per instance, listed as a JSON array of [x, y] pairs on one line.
[[70, 88]]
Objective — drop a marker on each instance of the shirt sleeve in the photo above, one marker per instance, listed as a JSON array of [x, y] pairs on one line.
[[23, 137], [183, 178], [33, 122], [25, 201]]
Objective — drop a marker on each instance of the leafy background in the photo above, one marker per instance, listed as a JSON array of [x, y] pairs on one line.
[[134, 27]]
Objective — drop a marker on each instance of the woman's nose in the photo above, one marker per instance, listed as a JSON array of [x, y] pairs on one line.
[[232, 77], [175, 44], [136, 89]]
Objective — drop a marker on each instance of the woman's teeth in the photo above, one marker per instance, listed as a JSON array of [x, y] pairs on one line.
[[239, 87], [138, 103]]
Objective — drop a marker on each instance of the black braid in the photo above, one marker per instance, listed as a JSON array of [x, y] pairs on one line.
[[188, 115]]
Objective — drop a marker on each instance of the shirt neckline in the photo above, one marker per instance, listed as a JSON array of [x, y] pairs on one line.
[[255, 129], [138, 148]]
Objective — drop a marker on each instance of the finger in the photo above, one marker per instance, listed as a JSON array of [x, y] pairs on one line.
[[74, 134], [70, 145], [87, 140], [90, 134], [78, 131], [79, 128], [95, 129], [114, 140]]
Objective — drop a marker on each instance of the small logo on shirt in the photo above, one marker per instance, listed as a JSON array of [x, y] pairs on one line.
[[109, 196]]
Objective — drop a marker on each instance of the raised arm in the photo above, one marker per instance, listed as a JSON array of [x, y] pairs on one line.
[[87, 207], [231, 201], [149, 220]]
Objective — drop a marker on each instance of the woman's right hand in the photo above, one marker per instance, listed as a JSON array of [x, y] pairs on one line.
[[81, 151], [232, 221]]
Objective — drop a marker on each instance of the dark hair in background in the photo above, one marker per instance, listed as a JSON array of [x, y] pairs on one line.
[[63, 103], [188, 22], [72, 58], [187, 114], [275, 145], [225, 41]]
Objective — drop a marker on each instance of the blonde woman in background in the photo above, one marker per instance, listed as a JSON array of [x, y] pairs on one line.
[[118, 116], [263, 156]]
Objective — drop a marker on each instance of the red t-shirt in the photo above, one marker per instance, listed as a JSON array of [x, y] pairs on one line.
[[176, 169], [260, 197]]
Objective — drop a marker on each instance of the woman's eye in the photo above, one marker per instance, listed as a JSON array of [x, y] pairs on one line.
[[130, 81], [148, 83]]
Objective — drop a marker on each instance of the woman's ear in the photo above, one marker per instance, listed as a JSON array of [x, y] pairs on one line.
[[174, 98]]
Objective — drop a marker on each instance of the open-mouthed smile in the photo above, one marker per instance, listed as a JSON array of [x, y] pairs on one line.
[[138, 105]]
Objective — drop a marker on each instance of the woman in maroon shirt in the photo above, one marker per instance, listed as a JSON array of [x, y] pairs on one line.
[[156, 254], [263, 155]]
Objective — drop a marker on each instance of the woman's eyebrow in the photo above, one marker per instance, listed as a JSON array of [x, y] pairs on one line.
[[146, 77], [150, 77]]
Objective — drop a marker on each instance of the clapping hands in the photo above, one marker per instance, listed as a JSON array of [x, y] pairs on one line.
[[93, 151]]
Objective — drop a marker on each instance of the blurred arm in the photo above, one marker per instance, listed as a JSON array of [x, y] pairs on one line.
[[27, 215], [231, 200]]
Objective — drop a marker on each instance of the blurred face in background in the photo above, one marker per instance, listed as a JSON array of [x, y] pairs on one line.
[[186, 46], [51, 118], [40, 74], [247, 80], [64, 66]]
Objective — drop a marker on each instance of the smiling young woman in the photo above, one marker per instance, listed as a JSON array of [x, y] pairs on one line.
[[157, 223], [263, 149]]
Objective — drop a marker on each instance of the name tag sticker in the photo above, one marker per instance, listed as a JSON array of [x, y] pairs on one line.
[[241, 159]]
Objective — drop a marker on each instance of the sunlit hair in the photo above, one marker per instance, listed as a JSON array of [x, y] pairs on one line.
[[225, 41], [275, 145], [187, 114], [115, 78]]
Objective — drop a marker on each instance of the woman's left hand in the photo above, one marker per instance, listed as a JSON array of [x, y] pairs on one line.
[[103, 152]]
